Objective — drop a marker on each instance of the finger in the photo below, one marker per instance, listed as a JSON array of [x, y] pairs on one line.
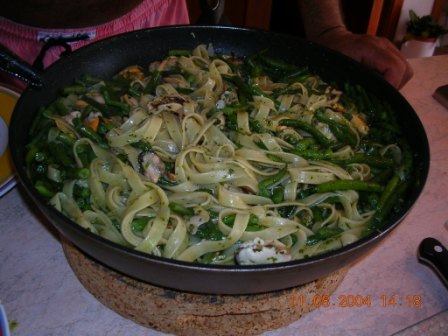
[[396, 70], [399, 71], [407, 76], [387, 60]]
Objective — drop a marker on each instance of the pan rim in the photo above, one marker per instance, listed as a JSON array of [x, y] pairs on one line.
[[388, 226]]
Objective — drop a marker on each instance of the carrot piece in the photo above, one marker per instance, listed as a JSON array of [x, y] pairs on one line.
[[171, 176], [92, 122]]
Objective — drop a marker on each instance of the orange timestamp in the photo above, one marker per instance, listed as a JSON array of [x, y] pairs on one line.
[[351, 300]]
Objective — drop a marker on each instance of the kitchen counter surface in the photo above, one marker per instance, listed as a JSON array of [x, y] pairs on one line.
[[42, 295]]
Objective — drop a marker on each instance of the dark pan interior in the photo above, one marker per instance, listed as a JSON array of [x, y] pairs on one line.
[[105, 58]]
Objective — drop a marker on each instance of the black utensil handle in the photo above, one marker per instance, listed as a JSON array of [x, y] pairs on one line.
[[212, 13], [433, 253], [13, 65]]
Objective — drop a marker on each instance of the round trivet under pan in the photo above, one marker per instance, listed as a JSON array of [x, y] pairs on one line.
[[181, 313]]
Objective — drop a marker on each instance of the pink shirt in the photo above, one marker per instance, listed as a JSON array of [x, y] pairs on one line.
[[26, 42]]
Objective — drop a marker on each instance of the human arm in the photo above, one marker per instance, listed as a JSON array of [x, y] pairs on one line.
[[325, 25]]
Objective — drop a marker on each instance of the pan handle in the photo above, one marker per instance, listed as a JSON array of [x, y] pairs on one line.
[[433, 253], [14, 66]]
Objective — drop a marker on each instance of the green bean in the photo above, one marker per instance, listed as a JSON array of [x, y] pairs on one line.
[[143, 145], [253, 69], [31, 154], [368, 106], [163, 181], [86, 111], [275, 158], [386, 195], [298, 75], [276, 63], [152, 84], [118, 104], [304, 144], [85, 154], [98, 106], [344, 134], [318, 135], [286, 90], [231, 109], [371, 160], [277, 194], [252, 225], [43, 189], [89, 133], [387, 202], [74, 89], [247, 90], [88, 80], [265, 184], [230, 219], [185, 90], [83, 173], [260, 68], [103, 127], [347, 185], [314, 154], [117, 87], [207, 190], [293, 139], [333, 200], [323, 233], [112, 101], [398, 200], [139, 224], [60, 107], [341, 131], [180, 209], [359, 99], [135, 91], [66, 139], [179, 52]]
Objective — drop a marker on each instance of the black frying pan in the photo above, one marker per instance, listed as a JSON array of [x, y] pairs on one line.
[[105, 58]]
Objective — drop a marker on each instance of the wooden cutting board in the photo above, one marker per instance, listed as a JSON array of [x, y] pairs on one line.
[[182, 313]]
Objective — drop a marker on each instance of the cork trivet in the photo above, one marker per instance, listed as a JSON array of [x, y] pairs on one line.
[[181, 313]]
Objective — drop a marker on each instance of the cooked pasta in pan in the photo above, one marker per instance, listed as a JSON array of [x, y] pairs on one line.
[[218, 159]]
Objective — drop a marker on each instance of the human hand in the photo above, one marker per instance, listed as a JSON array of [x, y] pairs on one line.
[[376, 52]]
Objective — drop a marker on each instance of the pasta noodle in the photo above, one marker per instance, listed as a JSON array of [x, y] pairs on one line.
[[211, 158]]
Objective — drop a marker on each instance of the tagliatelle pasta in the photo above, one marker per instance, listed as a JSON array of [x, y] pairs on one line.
[[210, 158]]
